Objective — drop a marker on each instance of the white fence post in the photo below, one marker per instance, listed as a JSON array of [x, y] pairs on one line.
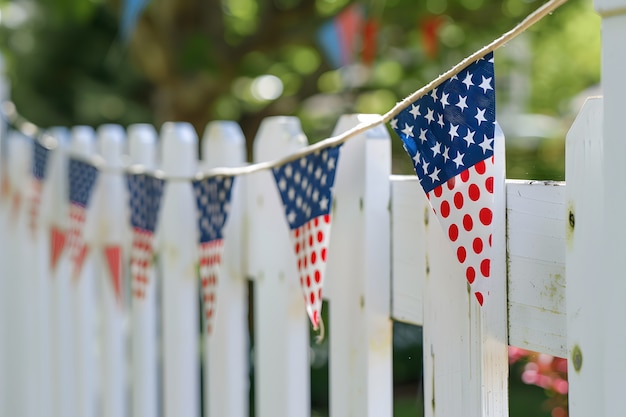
[[359, 275], [465, 345], [583, 173], [609, 211], [84, 302], [22, 384], [281, 340], [226, 359], [109, 205], [54, 222], [178, 259], [144, 318]]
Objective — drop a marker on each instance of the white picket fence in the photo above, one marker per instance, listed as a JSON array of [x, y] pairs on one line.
[[68, 349]]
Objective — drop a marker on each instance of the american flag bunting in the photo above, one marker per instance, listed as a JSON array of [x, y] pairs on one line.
[[145, 200], [82, 177], [449, 133], [40, 162], [305, 186], [213, 202]]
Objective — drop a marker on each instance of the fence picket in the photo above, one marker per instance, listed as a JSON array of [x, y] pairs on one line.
[[178, 263], [144, 319], [226, 349], [358, 280], [281, 342], [583, 174], [84, 298], [110, 249]]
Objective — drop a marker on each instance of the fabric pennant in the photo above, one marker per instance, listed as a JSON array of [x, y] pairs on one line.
[[57, 243], [449, 134], [40, 162], [145, 200], [305, 186], [213, 201], [113, 256], [82, 177]]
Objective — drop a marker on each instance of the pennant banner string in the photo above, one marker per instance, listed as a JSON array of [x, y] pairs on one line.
[[28, 128]]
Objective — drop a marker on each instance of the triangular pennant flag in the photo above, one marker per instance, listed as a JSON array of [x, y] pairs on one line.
[[82, 177], [113, 256], [57, 243], [145, 199], [305, 186], [449, 134], [213, 200], [40, 162]]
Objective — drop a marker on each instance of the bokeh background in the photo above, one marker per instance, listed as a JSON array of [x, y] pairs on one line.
[[92, 62]]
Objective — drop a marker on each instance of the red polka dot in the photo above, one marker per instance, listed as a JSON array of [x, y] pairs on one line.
[[465, 176], [470, 274], [474, 192], [209, 313], [437, 191], [316, 221], [489, 184], [297, 248], [461, 254], [318, 276], [313, 258], [428, 196], [315, 319], [320, 236], [468, 223], [319, 294], [305, 261], [324, 254], [308, 281], [450, 183], [479, 297], [485, 216], [480, 167], [310, 240], [485, 267], [308, 226], [312, 297], [458, 200], [297, 232], [327, 218], [477, 245], [445, 208], [453, 232], [299, 263], [489, 240]]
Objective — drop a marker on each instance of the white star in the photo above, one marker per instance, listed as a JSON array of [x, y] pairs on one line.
[[415, 111], [436, 149], [298, 201], [433, 94], [394, 123], [486, 144], [408, 130], [315, 196], [480, 116], [468, 80], [318, 173], [297, 177], [331, 161], [440, 120], [422, 136], [444, 100], [469, 138], [462, 103], [324, 203], [288, 171], [430, 116], [459, 159], [434, 176], [416, 158], [453, 131], [291, 194], [323, 180], [302, 162], [486, 84], [425, 166], [291, 216], [445, 153]]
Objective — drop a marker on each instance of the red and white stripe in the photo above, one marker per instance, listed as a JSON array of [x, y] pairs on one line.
[[141, 261], [210, 263]]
